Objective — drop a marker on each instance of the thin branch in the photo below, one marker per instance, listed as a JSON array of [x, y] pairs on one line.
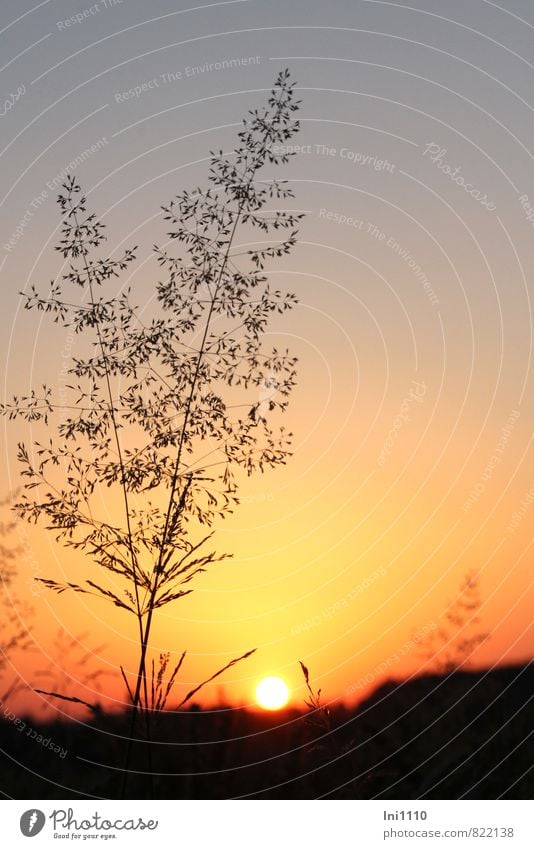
[[212, 678]]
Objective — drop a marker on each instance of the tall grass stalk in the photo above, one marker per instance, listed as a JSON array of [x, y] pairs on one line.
[[166, 408]]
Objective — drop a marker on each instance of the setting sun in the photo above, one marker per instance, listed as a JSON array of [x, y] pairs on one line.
[[272, 693]]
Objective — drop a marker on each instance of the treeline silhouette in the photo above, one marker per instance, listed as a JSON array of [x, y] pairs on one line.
[[461, 735]]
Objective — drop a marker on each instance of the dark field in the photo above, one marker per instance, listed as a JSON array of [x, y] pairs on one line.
[[468, 735]]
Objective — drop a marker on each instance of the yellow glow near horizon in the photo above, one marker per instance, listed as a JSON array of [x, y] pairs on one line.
[[272, 693]]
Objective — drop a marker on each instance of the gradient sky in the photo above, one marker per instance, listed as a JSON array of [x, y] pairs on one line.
[[358, 543]]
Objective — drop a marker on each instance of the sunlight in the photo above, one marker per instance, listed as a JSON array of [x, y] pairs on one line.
[[272, 693]]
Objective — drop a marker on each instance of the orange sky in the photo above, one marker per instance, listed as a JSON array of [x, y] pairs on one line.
[[338, 558]]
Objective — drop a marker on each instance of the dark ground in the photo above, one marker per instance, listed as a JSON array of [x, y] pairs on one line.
[[469, 735]]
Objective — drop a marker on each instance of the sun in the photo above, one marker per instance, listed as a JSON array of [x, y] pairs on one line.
[[272, 693]]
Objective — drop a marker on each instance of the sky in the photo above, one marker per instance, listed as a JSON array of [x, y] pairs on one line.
[[413, 413]]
